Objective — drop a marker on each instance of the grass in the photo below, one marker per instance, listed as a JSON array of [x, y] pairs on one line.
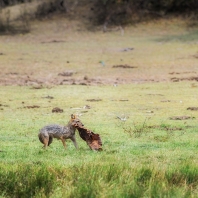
[[40, 58], [100, 180], [129, 166], [147, 155]]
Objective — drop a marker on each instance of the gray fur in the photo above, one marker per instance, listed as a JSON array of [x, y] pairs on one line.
[[47, 133]]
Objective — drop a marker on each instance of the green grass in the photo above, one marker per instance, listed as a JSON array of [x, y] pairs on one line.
[[99, 180], [148, 155], [160, 162]]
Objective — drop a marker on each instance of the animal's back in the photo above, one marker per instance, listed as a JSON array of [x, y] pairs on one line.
[[53, 129]]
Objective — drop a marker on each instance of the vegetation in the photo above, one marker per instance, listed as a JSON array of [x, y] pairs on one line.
[[147, 165], [162, 5], [15, 15], [96, 180], [146, 153], [122, 12]]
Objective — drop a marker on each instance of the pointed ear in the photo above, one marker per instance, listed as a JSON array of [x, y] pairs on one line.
[[73, 116]]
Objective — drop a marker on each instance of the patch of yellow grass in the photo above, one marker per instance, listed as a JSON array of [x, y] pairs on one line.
[[57, 45]]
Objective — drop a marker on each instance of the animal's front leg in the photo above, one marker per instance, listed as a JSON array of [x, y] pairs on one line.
[[73, 138], [63, 141]]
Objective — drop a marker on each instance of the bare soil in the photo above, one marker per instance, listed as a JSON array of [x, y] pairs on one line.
[[59, 51]]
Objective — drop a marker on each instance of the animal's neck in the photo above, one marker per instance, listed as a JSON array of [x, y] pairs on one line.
[[71, 127]]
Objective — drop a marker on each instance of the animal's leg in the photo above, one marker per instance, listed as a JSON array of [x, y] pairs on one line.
[[50, 140], [63, 141], [73, 138], [45, 142]]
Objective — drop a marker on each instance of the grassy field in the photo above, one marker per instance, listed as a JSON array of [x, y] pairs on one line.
[[161, 50], [149, 154]]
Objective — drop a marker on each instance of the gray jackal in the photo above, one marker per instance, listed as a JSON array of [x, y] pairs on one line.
[[49, 132]]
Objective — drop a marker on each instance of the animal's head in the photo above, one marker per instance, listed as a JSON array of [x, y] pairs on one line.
[[75, 122]]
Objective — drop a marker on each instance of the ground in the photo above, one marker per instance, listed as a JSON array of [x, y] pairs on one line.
[[137, 90], [60, 51]]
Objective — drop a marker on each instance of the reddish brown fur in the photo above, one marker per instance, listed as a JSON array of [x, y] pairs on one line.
[[93, 140]]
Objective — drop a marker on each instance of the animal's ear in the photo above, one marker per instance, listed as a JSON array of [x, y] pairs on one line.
[[73, 116]]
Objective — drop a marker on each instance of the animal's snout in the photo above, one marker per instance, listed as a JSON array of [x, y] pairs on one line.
[[78, 125]]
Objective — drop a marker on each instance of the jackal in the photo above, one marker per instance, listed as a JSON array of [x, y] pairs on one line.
[[47, 133]]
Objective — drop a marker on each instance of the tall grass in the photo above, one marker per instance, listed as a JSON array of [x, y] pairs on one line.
[[98, 180], [26, 180]]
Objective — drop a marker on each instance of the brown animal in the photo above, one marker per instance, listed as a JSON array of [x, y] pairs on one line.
[[49, 132], [93, 140]]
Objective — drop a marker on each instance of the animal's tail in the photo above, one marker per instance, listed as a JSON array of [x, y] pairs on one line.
[[40, 138], [43, 139]]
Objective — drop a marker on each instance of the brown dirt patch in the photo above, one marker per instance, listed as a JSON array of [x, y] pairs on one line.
[[1, 105], [72, 78], [124, 66], [181, 118], [94, 100], [48, 97], [177, 79], [66, 73], [57, 110], [53, 41], [32, 107], [192, 108]]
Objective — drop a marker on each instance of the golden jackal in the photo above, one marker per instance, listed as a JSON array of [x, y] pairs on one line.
[[47, 133]]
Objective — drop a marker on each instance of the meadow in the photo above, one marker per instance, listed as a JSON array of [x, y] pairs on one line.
[[145, 119]]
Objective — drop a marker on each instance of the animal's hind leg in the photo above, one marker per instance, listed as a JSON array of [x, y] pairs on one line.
[[45, 142], [50, 140]]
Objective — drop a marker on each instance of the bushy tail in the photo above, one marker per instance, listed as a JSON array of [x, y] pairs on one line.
[[40, 138]]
